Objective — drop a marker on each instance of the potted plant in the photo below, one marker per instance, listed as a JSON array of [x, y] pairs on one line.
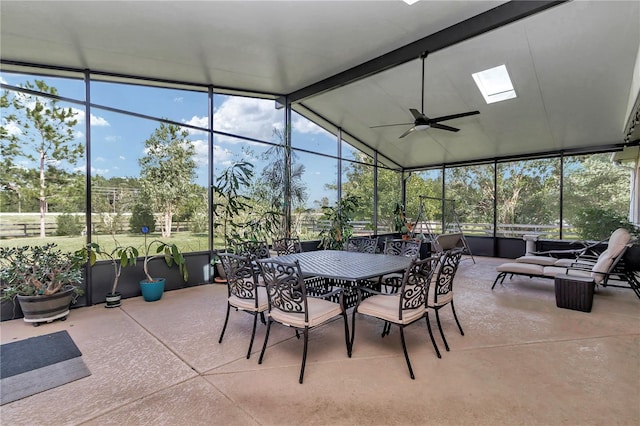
[[153, 288], [44, 280], [120, 257], [340, 229]]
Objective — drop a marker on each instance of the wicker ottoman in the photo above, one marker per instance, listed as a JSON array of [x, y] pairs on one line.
[[574, 292]]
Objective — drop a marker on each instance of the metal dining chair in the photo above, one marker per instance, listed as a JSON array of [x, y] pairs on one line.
[[283, 246], [405, 307], [362, 244], [291, 306], [244, 292]]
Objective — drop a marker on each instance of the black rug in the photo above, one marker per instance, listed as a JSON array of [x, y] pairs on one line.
[[37, 364]]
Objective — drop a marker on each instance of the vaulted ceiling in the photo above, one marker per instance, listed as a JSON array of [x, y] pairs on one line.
[[355, 64]]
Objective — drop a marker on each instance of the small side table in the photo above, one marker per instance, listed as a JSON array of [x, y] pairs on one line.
[[574, 292]]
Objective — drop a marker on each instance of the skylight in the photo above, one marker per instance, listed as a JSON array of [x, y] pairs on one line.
[[495, 84]]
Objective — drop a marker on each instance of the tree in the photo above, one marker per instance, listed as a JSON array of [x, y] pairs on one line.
[[44, 134], [167, 171], [268, 191]]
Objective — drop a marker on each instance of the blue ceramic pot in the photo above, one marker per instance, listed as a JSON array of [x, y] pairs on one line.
[[152, 291]]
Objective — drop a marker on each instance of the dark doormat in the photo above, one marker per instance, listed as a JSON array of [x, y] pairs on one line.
[[37, 364]]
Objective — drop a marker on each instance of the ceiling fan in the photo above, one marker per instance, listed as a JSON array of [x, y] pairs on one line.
[[421, 121]]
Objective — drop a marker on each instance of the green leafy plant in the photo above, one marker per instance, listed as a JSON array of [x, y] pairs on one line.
[[120, 257], [39, 270], [339, 216], [595, 223], [170, 252], [229, 202]]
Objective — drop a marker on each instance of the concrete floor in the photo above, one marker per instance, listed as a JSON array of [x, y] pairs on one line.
[[521, 361]]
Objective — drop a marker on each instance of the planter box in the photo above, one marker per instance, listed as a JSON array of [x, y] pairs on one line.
[[574, 292]]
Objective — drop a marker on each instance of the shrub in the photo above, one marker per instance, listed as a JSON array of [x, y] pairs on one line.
[[595, 223], [141, 216], [68, 225]]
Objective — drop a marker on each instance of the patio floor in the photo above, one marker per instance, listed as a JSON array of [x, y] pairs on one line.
[[522, 361]]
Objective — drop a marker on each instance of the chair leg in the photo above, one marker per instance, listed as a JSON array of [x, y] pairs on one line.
[[346, 333], [406, 354], [446, 345], [266, 337], [353, 327], [304, 353], [253, 334], [297, 334], [262, 318], [433, 341], [500, 275], [224, 327], [386, 329], [456, 318]]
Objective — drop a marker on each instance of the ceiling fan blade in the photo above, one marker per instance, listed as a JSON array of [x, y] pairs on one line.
[[416, 114], [411, 130], [443, 127], [451, 117], [389, 125]]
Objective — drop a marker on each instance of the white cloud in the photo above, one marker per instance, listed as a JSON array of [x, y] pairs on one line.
[[197, 121], [201, 156], [178, 99], [13, 129], [112, 138], [122, 157], [254, 118], [100, 159], [222, 155], [98, 121], [3, 81], [80, 115], [302, 125], [102, 172]]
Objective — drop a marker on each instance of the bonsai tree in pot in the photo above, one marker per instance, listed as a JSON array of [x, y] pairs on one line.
[[153, 288], [44, 280]]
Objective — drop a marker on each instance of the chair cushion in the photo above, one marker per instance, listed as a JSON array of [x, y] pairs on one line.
[[521, 268], [320, 310], [249, 304], [443, 299], [538, 260], [552, 271], [386, 307]]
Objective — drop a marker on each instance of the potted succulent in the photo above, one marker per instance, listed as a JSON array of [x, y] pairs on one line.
[[44, 280], [153, 288], [120, 257]]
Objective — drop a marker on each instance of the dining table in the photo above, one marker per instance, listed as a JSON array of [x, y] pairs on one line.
[[346, 269]]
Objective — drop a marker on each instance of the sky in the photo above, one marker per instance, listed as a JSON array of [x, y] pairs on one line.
[[118, 139]]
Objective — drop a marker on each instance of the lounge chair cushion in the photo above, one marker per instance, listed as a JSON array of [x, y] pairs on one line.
[[552, 271], [521, 268], [539, 260]]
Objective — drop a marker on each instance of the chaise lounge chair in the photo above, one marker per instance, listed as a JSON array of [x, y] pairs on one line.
[[600, 268]]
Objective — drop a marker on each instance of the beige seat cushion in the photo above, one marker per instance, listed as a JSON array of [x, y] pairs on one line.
[[552, 271], [387, 308], [320, 310], [443, 299], [537, 260], [249, 304], [521, 268], [617, 243]]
